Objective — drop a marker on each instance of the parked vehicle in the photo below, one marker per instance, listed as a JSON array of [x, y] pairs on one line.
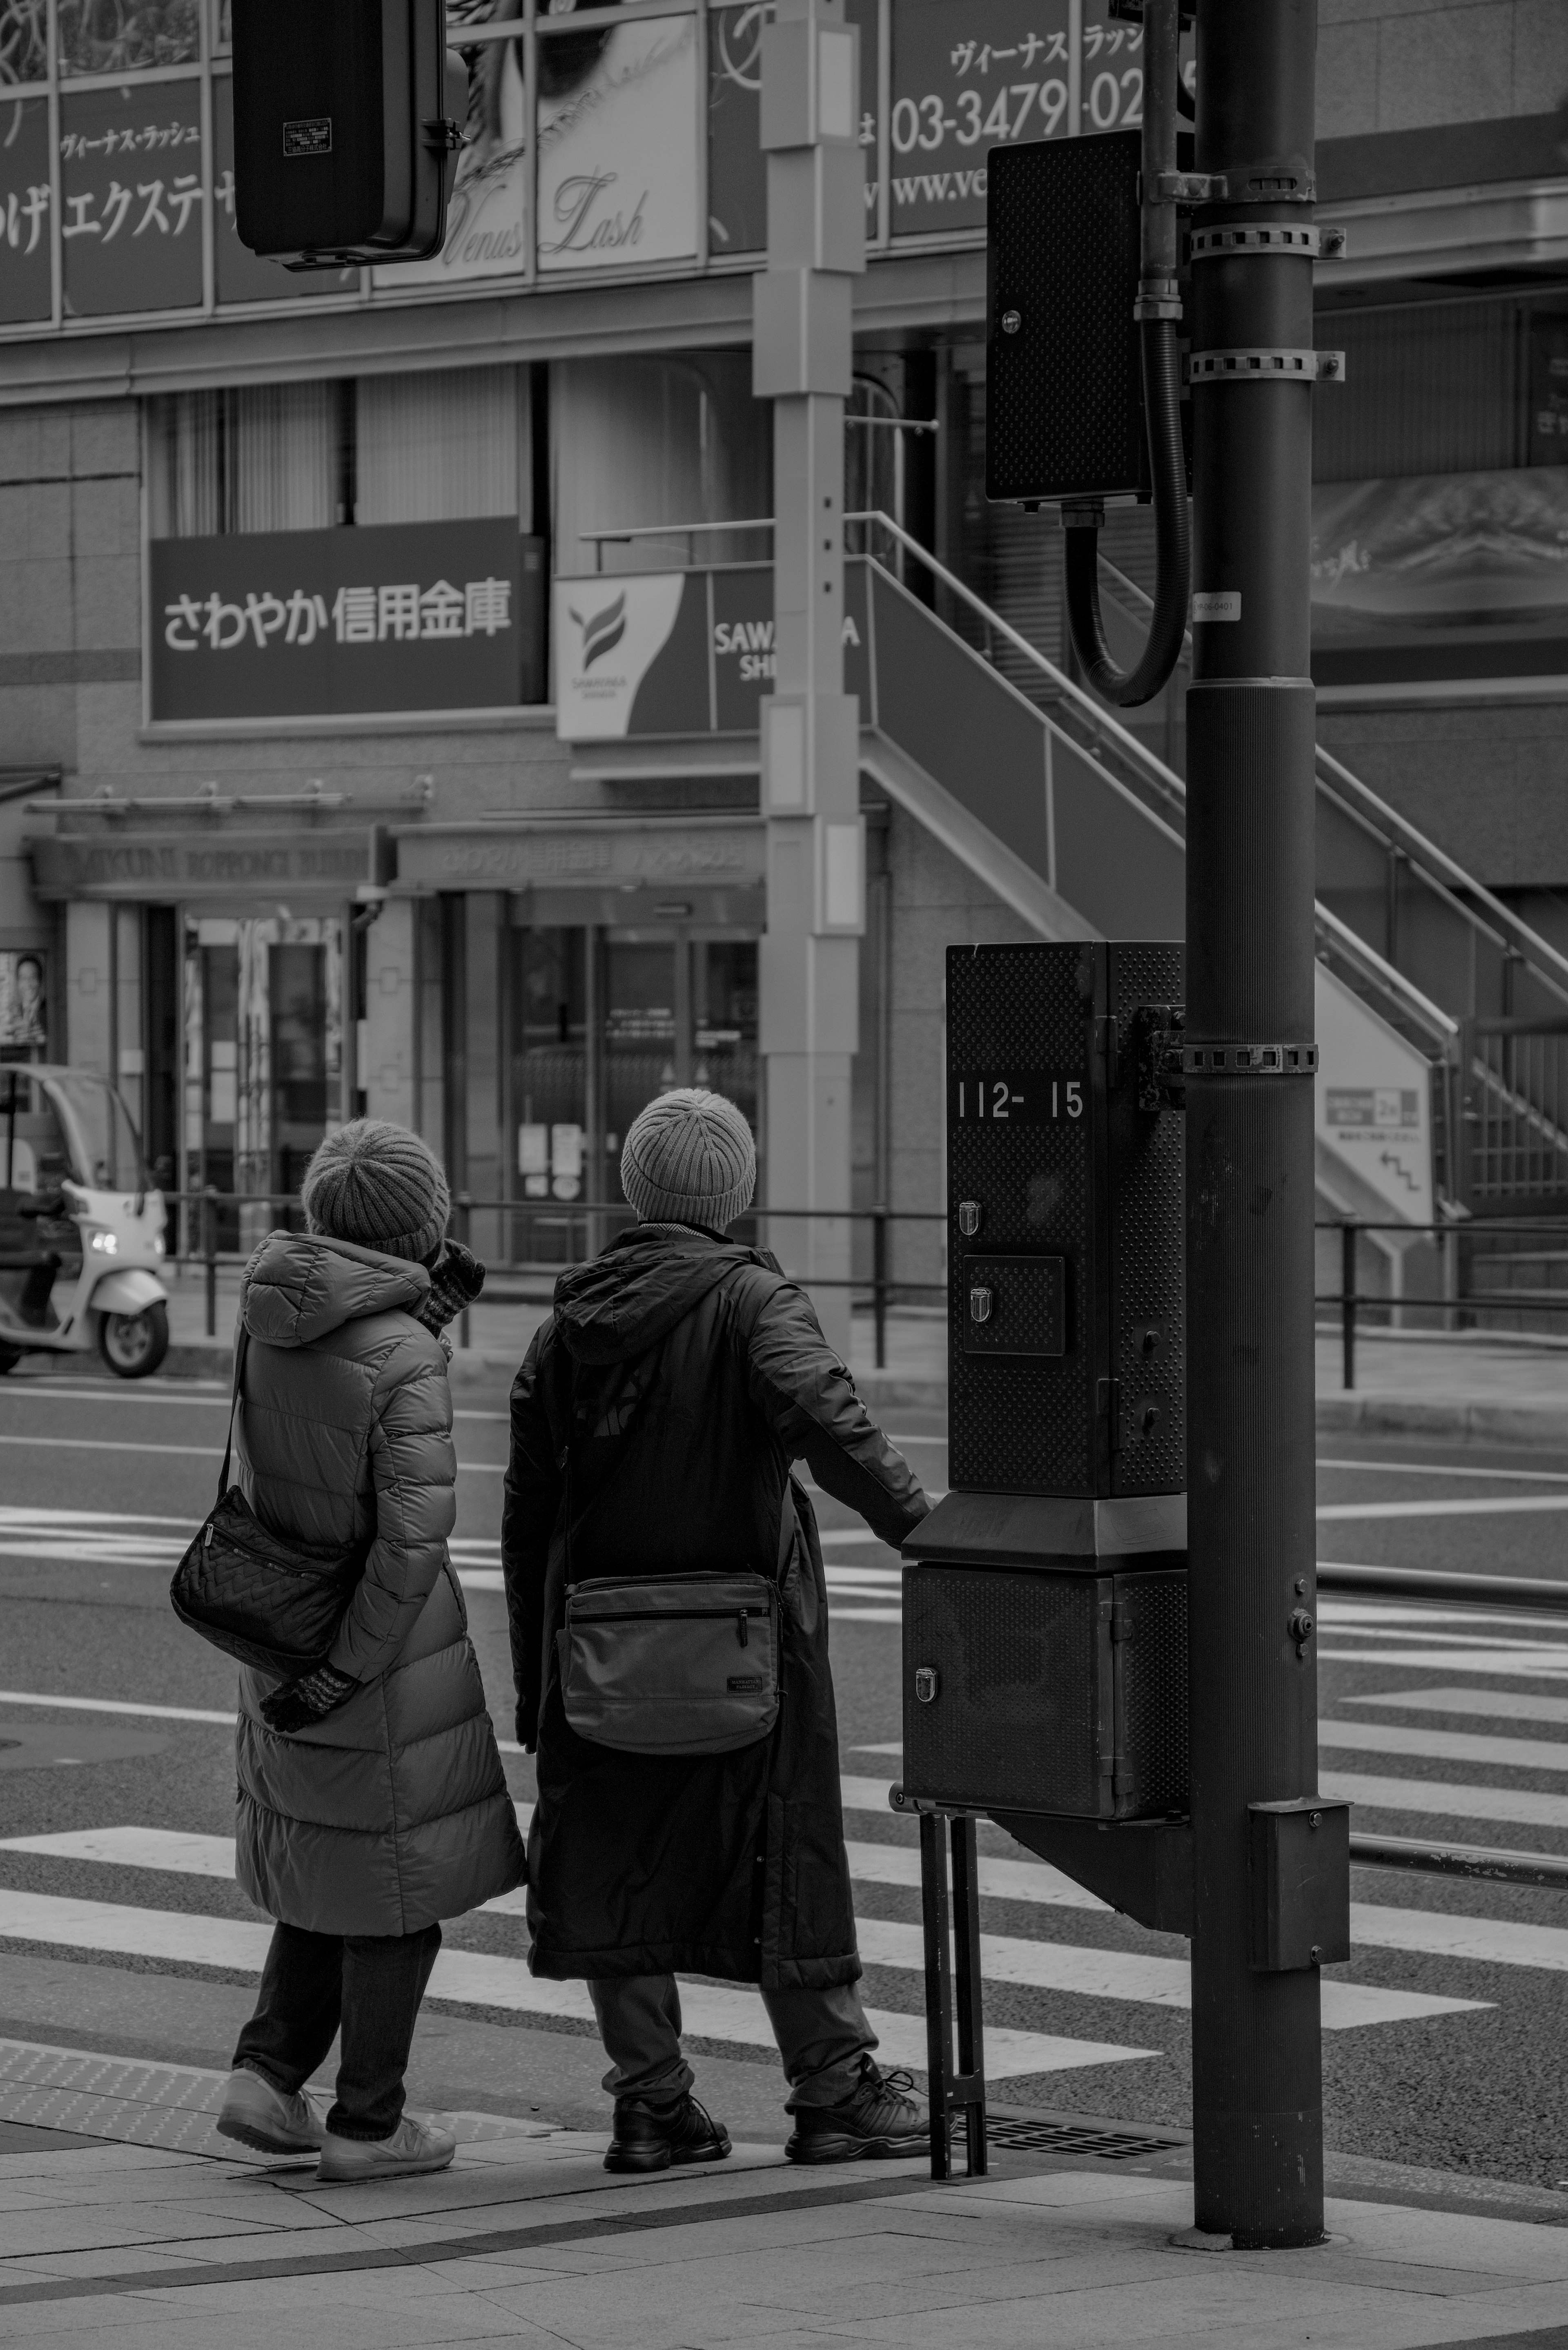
[[81, 1231]]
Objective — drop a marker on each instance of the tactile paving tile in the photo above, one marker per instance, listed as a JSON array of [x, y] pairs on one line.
[[172, 2106]]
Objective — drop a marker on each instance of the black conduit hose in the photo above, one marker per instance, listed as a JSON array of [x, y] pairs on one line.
[[1124, 688]]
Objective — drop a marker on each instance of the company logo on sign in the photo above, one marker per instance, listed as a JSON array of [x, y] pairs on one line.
[[602, 631]]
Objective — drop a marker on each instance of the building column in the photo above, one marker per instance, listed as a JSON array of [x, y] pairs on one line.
[[388, 1071], [88, 1040], [802, 362]]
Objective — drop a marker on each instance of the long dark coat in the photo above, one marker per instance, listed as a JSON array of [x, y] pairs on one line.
[[392, 1811], [665, 1397]]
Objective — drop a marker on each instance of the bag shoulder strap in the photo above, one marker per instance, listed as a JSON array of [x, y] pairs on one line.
[[239, 1353]]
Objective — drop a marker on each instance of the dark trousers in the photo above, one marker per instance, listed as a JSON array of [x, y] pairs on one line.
[[367, 1986]]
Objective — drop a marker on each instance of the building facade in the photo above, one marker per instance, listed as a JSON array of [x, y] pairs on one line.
[[291, 826]]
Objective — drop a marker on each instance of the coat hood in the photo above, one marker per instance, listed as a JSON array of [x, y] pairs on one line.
[[298, 1287], [626, 1300]]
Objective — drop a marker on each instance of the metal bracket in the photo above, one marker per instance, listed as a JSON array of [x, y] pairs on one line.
[[1156, 1042], [1254, 184], [1248, 1060], [1208, 244], [1266, 366]]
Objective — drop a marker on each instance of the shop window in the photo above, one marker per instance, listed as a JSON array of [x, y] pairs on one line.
[[643, 442], [267, 458], [1430, 388], [440, 447]]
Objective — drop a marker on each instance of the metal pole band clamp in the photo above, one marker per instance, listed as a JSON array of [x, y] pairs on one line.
[[1248, 1060], [1266, 366], [1209, 243]]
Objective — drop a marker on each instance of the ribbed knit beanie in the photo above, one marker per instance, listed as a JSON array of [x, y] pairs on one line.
[[689, 1158], [379, 1186]]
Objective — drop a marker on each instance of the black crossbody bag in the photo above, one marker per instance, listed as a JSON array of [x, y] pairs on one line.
[[265, 1598]]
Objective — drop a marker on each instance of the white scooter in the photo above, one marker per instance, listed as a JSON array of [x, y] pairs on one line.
[[81, 1234]]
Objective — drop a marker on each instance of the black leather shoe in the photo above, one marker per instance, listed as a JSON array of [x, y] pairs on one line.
[[879, 2120], [653, 2137]]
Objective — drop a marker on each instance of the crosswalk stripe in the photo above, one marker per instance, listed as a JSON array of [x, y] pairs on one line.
[[1433, 1469], [1510, 1664], [1468, 1505], [1447, 1746], [1496, 1705], [1522, 1806], [114, 1705], [731, 2014]]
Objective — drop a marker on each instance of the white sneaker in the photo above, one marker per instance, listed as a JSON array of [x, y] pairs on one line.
[[414, 2146], [272, 2120]]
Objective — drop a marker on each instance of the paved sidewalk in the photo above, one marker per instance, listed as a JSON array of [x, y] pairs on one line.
[[527, 2240]]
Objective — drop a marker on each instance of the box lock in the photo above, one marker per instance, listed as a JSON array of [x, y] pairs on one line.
[[981, 1300], [969, 1217], [925, 1684]]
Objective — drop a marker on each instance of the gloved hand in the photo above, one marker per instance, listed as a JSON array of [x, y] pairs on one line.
[[309, 1697], [456, 1279]]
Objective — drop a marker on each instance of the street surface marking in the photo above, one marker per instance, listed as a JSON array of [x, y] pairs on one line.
[[1487, 1940], [1541, 1664], [1485, 1505], [1447, 1745], [184, 1452], [1498, 1705], [1430, 1469], [472, 1979], [1520, 1806], [115, 1705], [1089, 1973]]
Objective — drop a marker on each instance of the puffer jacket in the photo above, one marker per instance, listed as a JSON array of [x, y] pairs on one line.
[[661, 1406], [392, 1811]]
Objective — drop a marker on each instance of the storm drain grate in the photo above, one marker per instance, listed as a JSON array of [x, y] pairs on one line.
[[1065, 2137]]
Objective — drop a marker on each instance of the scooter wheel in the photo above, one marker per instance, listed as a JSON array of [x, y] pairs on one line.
[[9, 1358], [133, 1345]]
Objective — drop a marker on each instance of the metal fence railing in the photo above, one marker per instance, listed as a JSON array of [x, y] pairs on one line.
[[1466, 1300], [211, 1230]]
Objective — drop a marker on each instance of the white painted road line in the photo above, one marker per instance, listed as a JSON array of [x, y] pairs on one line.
[[1445, 1746], [1496, 1705], [734, 2015], [1479, 1505], [114, 1705], [1430, 1469], [1509, 1664], [184, 1452], [1488, 1941], [1520, 1806]]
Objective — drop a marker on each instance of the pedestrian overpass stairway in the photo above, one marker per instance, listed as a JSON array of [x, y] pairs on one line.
[[1078, 824]]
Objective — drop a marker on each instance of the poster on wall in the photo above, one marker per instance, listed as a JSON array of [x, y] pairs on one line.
[[25, 203], [619, 126], [1440, 576], [23, 1006], [966, 80], [241, 277], [304, 623], [487, 219], [1373, 1108], [131, 198]]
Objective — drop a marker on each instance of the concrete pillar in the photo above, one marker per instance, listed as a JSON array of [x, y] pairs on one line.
[[387, 1076], [802, 362], [88, 1041]]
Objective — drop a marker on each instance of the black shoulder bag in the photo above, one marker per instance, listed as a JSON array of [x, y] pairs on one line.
[[263, 1597]]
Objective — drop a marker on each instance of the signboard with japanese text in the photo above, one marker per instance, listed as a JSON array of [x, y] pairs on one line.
[[131, 195], [25, 201], [737, 168], [487, 219], [619, 126], [965, 80], [286, 624], [1373, 1106], [241, 277]]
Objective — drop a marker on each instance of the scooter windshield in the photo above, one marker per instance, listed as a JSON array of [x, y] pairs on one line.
[[37, 1152], [105, 1148]]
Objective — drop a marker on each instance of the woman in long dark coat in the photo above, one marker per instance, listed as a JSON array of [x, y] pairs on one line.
[[653, 1425]]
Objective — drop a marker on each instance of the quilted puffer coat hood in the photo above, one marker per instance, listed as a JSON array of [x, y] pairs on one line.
[[633, 1294], [298, 1288]]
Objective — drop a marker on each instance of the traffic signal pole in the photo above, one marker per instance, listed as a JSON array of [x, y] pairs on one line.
[[1256, 2085]]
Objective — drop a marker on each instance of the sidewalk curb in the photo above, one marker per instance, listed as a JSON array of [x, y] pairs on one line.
[[1542, 1424]]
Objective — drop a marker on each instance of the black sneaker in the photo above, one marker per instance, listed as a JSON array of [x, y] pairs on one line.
[[653, 2137], [879, 2120]]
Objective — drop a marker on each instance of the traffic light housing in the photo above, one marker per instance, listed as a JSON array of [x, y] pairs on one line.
[[348, 115]]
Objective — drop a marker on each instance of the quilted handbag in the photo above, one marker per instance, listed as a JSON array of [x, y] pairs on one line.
[[263, 1597]]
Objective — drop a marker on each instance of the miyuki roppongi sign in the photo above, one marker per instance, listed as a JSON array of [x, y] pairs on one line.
[[306, 623]]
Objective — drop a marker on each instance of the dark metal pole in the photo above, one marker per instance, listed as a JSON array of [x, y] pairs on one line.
[[879, 1284], [1257, 2082], [1347, 1301]]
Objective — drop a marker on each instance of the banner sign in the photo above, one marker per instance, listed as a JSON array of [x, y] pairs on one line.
[[132, 198], [1373, 1104], [678, 653], [164, 866], [25, 199], [619, 855], [487, 219], [619, 130], [1440, 576], [310, 623], [737, 167]]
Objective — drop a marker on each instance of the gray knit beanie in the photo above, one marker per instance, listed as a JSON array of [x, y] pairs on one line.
[[690, 1159], [379, 1186]]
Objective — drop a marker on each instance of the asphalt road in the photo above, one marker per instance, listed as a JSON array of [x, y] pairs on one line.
[[1448, 2026]]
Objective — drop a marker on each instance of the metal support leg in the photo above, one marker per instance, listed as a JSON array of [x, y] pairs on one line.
[[960, 2089]]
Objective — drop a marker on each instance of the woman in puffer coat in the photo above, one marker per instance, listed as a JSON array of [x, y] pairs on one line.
[[372, 1803]]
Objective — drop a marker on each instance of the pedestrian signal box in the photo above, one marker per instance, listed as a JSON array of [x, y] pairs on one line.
[[1045, 1596], [348, 115]]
